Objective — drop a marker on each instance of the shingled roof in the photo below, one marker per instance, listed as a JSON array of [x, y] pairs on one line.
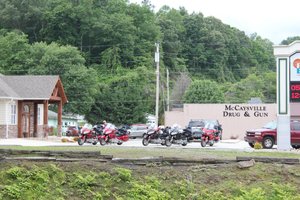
[[27, 87]]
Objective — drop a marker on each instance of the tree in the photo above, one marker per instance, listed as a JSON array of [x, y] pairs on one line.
[[25, 16], [269, 87], [243, 91], [262, 51], [14, 51], [203, 91], [67, 62], [171, 23], [289, 40], [124, 97]]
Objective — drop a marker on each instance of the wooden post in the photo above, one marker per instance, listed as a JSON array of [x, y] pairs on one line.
[[20, 121], [45, 126], [59, 119]]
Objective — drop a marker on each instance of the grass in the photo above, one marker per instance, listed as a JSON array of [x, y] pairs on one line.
[[96, 180], [33, 180], [140, 152]]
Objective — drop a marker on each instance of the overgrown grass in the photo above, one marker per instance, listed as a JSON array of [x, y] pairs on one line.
[[106, 181]]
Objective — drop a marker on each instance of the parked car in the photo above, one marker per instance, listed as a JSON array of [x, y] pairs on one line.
[[72, 131], [197, 126], [267, 135], [137, 130]]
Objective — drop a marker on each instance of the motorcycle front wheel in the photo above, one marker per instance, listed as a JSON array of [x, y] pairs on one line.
[[168, 143], [203, 143], [81, 141], [145, 141], [102, 141]]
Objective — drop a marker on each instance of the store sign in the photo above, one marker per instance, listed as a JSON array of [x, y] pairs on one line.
[[295, 67], [245, 111], [295, 91]]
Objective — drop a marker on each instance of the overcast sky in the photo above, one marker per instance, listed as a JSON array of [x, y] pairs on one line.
[[267, 18]]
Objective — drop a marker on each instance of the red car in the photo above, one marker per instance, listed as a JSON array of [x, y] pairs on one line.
[[267, 135]]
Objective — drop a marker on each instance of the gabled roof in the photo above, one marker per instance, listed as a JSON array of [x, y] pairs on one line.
[[28, 87], [6, 91]]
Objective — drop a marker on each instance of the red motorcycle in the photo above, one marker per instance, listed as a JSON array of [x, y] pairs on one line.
[[87, 135], [112, 135], [210, 135]]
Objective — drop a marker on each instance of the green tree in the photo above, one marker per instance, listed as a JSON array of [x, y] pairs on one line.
[[289, 40], [244, 90], [146, 34], [67, 62], [60, 23], [171, 23], [25, 16], [203, 91], [123, 97], [269, 86], [14, 50], [262, 51]]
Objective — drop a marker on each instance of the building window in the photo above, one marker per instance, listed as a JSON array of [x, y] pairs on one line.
[[39, 116], [13, 114], [26, 109]]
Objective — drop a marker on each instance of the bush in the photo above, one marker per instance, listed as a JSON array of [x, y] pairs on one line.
[[123, 174], [257, 145]]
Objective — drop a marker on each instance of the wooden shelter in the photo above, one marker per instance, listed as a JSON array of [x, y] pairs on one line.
[[24, 102]]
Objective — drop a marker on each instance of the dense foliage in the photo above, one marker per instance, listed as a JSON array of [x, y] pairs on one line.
[[99, 46], [204, 91], [80, 181]]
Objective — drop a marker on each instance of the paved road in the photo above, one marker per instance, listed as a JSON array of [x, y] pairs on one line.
[[55, 141]]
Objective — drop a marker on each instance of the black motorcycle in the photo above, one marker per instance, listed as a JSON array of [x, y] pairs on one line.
[[178, 136], [193, 134], [157, 136]]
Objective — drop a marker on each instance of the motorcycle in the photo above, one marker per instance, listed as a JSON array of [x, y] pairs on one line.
[[157, 135], [178, 136], [112, 135], [87, 135], [193, 134], [211, 134]]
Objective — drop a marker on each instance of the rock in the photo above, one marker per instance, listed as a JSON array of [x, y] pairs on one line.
[[246, 164]]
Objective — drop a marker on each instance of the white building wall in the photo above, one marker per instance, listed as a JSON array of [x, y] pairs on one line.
[[3, 104], [235, 118]]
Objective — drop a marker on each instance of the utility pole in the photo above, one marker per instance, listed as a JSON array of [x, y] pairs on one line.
[[156, 58], [168, 91]]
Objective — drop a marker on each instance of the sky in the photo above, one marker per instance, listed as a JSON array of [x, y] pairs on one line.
[[271, 19]]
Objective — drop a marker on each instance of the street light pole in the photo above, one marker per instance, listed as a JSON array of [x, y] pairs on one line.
[[157, 82]]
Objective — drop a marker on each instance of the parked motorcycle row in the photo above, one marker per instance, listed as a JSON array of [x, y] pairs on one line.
[[175, 135], [165, 136], [108, 134]]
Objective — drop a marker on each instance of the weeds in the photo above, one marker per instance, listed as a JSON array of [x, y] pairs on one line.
[[53, 182]]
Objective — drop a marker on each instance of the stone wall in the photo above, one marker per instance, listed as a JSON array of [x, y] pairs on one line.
[[12, 131]]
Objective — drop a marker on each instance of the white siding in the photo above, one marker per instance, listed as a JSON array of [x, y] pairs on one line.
[[3, 104]]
